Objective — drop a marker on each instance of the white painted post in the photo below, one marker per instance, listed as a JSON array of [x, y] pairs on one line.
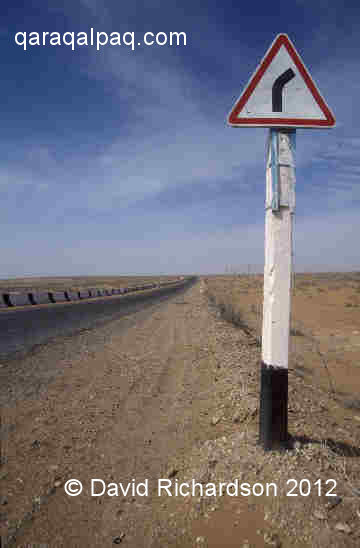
[[280, 206]]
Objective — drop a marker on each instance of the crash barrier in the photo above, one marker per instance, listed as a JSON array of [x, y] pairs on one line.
[[4, 300], [57, 296], [71, 295], [18, 299], [42, 297], [83, 294], [45, 297]]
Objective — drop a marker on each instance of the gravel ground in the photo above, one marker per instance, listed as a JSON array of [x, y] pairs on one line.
[[171, 393]]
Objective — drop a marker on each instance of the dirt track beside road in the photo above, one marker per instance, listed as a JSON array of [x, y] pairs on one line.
[[120, 409]]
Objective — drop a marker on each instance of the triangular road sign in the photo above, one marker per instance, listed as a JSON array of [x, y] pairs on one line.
[[281, 93]]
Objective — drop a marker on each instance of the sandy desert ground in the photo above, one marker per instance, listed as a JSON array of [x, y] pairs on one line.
[[325, 324]]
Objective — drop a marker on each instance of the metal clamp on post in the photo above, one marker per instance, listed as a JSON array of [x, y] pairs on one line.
[[281, 154], [275, 202]]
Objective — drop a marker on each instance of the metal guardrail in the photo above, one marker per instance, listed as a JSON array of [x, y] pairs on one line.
[[12, 299]]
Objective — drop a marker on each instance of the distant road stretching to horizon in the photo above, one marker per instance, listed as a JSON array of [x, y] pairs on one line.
[[23, 329]]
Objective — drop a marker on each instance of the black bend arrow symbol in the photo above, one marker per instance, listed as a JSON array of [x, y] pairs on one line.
[[277, 88]]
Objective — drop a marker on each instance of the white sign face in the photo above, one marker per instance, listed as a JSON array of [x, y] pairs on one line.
[[281, 93]]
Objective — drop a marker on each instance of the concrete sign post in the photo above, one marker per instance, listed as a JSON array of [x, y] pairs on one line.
[[282, 96], [280, 206]]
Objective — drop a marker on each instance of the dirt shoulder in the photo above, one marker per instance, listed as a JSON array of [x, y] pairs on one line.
[[172, 394]]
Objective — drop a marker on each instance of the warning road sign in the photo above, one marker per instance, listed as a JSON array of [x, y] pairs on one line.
[[281, 93]]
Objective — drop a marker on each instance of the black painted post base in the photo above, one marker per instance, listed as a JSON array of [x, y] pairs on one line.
[[273, 407]]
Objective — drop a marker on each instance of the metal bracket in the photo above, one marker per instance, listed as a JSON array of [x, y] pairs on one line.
[[275, 203], [275, 163]]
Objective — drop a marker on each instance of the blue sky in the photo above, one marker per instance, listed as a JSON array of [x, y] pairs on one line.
[[120, 161]]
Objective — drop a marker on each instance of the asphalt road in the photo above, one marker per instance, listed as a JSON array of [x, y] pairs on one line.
[[23, 329]]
